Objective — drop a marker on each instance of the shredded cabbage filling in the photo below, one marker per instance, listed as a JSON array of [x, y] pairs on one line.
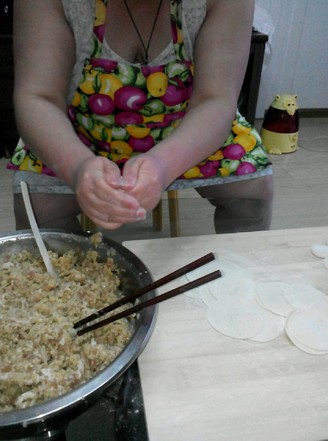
[[41, 357]]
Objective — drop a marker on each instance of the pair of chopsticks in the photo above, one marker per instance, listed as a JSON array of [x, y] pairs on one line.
[[82, 329]]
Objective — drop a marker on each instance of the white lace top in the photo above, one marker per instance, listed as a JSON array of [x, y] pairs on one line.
[[80, 16]]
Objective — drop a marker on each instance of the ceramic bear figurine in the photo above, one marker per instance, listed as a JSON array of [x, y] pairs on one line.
[[280, 126]]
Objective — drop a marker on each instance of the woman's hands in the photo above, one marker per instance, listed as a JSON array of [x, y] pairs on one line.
[[111, 199], [144, 176], [103, 196]]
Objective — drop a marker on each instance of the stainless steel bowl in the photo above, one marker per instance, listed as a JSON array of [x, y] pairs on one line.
[[43, 420]]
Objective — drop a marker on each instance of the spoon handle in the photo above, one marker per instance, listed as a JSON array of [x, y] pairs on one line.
[[35, 229]]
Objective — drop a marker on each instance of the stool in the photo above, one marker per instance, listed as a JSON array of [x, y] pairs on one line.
[[173, 202], [86, 224]]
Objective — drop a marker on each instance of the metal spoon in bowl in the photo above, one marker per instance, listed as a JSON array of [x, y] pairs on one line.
[[35, 229]]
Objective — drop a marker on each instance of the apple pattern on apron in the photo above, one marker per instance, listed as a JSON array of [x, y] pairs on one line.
[[121, 110]]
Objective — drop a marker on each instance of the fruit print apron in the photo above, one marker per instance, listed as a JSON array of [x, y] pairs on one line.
[[121, 110]]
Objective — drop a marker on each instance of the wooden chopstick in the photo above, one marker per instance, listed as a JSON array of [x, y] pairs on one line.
[[160, 282], [174, 292]]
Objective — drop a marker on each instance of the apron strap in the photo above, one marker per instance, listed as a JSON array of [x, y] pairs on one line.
[[99, 24], [100, 16], [176, 28]]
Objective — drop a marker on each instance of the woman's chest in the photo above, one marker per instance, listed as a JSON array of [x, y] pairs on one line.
[[138, 31]]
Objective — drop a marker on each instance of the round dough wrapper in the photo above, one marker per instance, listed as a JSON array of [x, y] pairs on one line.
[[236, 317], [203, 270], [200, 272], [309, 327], [229, 268], [235, 279], [274, 325], [270, 295], [208, 299], [304, 348], [226, 268], [197, 293], [306, 296], [320, 251], [233, 284]]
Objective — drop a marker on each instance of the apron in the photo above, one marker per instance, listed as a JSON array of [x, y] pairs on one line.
[[121, 110]]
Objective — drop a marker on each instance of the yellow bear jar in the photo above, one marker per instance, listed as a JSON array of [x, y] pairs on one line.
[[280, 126]]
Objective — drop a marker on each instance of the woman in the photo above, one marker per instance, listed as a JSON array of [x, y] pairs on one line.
[[149, 69]]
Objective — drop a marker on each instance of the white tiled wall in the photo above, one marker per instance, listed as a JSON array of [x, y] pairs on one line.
[[299, 62]]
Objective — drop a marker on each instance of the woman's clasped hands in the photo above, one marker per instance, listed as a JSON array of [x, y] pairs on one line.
[[111, 197]]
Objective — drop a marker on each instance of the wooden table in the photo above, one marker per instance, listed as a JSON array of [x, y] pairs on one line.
[[201, 386]]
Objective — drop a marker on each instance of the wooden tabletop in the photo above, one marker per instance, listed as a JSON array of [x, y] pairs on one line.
[[199, 385]]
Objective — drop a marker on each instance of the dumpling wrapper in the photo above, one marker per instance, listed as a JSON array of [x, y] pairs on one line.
[[274, 325], [233, 284], [303, 347], [236, 317], [203, 270], [306, 296], [198, 293], [235, 279], [270, 295], [308, 328], [226, 267], [207, 298], [320, 251]]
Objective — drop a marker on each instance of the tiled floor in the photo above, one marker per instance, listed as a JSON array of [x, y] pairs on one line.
[[301, 192]]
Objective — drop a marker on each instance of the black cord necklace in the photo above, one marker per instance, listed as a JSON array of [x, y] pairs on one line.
[[146, 48]]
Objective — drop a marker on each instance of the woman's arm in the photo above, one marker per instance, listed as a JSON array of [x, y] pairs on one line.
[[44, 50], [44, 57], [221, 55]]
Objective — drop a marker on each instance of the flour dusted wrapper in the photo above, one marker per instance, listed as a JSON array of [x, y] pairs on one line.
[[237, 318], [308, 330], [306, 296], [320, 251], [203, 290], [270, 295], [325, 262], [234, 281], [274, 326]]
